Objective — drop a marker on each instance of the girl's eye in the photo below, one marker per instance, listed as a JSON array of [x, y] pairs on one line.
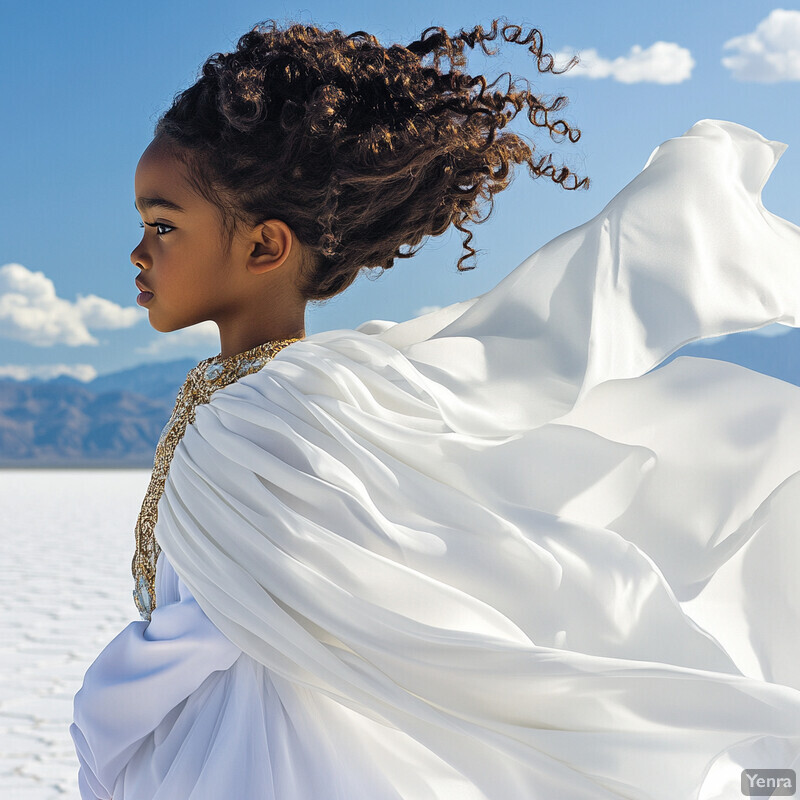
[[161, 228]]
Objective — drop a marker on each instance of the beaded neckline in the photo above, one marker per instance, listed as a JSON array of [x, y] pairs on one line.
[[201, 382]]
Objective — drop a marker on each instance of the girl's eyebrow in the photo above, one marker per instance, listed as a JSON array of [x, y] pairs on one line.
[[146, 203]]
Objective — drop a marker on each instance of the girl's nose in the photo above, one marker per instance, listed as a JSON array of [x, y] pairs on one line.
[[139, 258]]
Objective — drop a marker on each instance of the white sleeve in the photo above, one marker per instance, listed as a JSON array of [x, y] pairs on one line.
[[142, 675]]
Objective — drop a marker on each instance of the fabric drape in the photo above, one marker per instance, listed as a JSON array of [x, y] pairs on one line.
[[500, 556]]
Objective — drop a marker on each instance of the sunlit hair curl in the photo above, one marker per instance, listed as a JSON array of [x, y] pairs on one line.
[[363, 150]]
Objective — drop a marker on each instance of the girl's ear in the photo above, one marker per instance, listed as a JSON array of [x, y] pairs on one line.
[[270, 245]]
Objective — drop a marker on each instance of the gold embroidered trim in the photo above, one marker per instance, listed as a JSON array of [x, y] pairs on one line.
[[201, 382]]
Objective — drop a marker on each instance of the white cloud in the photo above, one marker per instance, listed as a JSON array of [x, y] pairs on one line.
[[770, 53], [426, 310], [102, 314], [776, 329], [198, 340], [45, 372], [662, 62], [32, 312], [767, 331]]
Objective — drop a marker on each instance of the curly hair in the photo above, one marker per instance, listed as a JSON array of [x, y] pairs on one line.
[[363, 150]]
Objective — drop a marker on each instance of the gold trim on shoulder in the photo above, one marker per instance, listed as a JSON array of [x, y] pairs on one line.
[[201, 382]]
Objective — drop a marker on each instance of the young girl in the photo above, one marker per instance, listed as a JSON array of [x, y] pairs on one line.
[[484, 554]]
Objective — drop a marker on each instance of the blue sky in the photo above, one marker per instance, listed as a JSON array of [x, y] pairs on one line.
[[84, 83]]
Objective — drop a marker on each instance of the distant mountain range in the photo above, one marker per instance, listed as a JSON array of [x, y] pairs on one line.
[[116, 419]]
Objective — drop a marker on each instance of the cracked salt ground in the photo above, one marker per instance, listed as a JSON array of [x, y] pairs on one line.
[[67, 539]]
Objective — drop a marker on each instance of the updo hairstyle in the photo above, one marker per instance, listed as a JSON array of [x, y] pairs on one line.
[[363, 150]]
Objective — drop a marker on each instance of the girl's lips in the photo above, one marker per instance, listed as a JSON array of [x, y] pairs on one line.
[[144, 298]]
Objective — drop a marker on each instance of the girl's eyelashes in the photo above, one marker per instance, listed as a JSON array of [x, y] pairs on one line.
[[161, 227]]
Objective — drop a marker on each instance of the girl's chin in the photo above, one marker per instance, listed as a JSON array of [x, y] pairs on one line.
[[162, 325]]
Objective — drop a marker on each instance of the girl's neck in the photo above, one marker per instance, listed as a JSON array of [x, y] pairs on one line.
[[234, 345], [263, 322]]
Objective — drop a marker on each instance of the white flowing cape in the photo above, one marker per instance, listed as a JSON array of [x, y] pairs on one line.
[[508, 560]]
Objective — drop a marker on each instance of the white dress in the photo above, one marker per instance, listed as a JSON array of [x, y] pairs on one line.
[[487, 553]]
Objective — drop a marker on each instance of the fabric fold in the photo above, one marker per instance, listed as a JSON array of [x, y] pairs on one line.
[[142, 675]]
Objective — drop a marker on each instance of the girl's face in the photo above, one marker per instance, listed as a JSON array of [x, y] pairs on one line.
[[188, 273]]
